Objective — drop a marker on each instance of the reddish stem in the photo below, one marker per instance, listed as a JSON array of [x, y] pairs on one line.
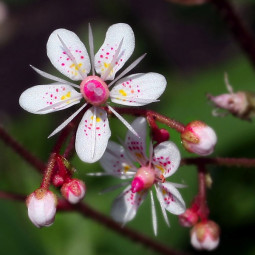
[[87, 211], [179, 127], [20, 150], [242, 34], [236, 162], [203, 209]]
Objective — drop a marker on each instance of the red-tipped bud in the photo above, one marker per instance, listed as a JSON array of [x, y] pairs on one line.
[[160, 135], [73, 191], [199, 138], [58, 180], [41, 205], [188, 218], [144, 179], [205, 236]]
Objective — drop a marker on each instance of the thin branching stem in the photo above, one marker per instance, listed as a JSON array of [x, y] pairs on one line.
[[239, 29]]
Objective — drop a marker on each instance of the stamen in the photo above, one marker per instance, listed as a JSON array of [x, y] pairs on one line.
[[53, 78], [128, 69], [123, 121], [75, 98], [91, 50], [70, 55], [67, 121], [113, 62]]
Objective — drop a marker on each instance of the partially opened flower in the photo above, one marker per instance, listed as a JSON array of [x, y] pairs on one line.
[[164, 160], [68, 54]]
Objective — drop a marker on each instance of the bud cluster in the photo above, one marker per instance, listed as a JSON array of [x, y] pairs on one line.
[[42, 202]]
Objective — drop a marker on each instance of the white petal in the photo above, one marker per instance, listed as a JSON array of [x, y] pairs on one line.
[[44, 99], [72, 61], [154, 216], [136, 146], [171, 198], [138, 89], [161, 202], [104, 56], [125, 206], [166, 158], [92, 135], [115, 161], [67, 121]]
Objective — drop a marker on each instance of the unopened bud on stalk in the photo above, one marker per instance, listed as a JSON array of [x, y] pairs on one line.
[[199, 138], [205, 235], [188, 218], [41, 205], [160, 135], [73, 191], [241, 104]]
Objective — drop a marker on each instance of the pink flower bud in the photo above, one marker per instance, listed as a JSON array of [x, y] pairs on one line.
[[205, 235], [188, 218], [160, 135], [41, 205], [73, 191], [199, 138], [58, 180], [236, 103]]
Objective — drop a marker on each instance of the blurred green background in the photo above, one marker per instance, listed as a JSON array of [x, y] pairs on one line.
[[192, 48]]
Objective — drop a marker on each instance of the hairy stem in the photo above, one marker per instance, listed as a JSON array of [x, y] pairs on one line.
[[203, 209]]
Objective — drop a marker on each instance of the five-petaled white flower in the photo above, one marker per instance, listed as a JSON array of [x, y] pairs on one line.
[[68, 54], [164, 160]]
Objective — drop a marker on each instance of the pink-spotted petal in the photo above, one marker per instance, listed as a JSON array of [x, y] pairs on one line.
[[116, 162], [138, 89], [44, 99], [125, 206], [166, 158], [104, 56], [136, 146], [92, 135], [170, 198], [68, 54]]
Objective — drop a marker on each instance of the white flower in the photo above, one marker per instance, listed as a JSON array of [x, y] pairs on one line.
[[41, 206], [163, 162], [68, 54]]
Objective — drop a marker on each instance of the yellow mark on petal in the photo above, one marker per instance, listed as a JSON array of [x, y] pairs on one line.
[[76, 67], [123, 93], [160, 168], [126, 168], [106, 65], [67, 95], [164, 191], [98, 119]]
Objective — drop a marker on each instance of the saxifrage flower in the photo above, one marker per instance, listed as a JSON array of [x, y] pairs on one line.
[[68, 54], [121, 161]]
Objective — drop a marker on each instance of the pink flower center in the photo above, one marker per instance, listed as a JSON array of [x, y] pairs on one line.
[[144, 179], [94, 90]]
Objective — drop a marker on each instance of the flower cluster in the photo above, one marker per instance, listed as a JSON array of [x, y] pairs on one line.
[[144, 175]]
